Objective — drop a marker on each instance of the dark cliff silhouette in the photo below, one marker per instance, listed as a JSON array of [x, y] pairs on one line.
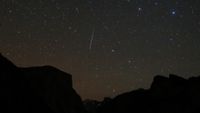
[[166, 95], [49, 90], [36, 90]]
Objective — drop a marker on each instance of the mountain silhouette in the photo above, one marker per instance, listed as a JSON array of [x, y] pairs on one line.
[[171, 94], [46, 89], [36, 90]]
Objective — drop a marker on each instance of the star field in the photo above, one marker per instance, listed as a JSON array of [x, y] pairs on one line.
[[109, 46]]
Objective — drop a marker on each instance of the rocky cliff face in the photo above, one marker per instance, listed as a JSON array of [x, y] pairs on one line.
[[171, 94], [36, 89]]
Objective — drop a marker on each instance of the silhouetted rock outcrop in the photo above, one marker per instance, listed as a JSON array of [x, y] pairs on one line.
[[36, 90], [166, 95]]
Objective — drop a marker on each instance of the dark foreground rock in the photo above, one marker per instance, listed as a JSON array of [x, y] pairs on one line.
[[36, 90], [171, 94]]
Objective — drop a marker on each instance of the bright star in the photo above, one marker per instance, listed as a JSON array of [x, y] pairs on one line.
[[173, 12]]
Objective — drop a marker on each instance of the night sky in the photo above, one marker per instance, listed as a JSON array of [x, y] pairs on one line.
[[109, 46]]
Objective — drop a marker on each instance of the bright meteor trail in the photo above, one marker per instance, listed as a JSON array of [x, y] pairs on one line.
[[91, 39]]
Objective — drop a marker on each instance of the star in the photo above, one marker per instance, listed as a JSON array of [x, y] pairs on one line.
[[139, 9], [129, 61], [171, 39], [155, 3], [113, 50], [173, 12], [114, 90]]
